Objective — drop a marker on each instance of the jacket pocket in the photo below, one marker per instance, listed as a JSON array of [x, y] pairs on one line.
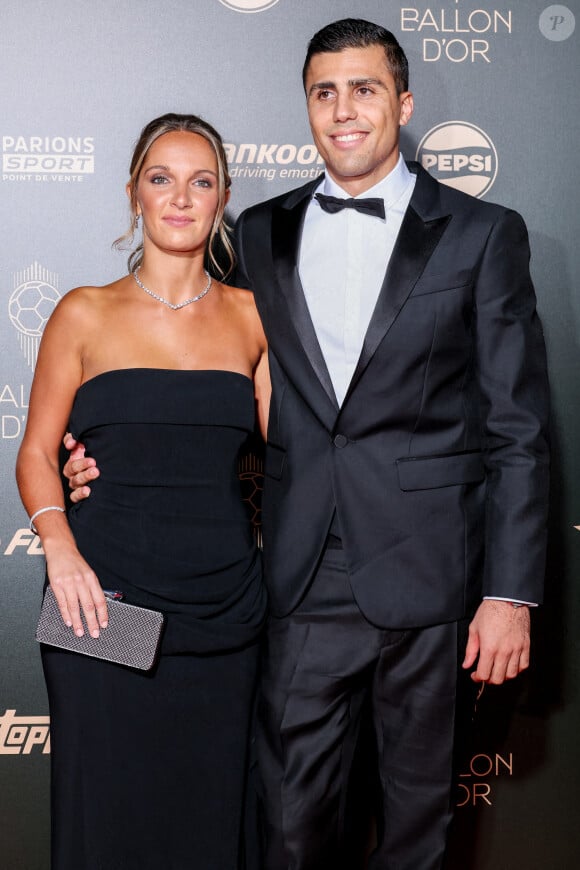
[[274, 461], [430, 287], [431, 472]]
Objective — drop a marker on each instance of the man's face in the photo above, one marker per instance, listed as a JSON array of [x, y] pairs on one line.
[[355, 115]]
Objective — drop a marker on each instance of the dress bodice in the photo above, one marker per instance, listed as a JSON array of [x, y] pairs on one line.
[[166, 522], [174, 408]]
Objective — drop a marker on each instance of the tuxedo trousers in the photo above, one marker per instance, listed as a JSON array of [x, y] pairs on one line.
[[323, 663]]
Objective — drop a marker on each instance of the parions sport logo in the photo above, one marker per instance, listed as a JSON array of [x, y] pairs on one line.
[[47, 158], [460, 155], [249, 5]]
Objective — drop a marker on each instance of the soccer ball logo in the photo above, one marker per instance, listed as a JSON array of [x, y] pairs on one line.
[[32, 302], [31, 305]]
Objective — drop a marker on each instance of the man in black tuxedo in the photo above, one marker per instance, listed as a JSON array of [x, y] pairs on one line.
[[406, 469], [407, 463]]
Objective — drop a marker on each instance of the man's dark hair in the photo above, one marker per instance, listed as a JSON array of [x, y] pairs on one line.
[[356, 33]]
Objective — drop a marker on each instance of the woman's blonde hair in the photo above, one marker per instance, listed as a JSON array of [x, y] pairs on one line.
[[219, 234]]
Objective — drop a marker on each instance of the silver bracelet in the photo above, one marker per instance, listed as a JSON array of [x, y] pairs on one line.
[[52, 507]]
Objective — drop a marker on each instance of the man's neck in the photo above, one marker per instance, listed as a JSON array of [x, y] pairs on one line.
[[358, 186]]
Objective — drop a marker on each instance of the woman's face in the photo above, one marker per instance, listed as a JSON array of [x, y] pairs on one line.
[[177, 193]]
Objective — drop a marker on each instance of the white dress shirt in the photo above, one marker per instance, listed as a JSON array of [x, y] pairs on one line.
[[342, 264]]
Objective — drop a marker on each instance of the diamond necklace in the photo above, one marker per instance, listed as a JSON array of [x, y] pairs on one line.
[[169, 304]]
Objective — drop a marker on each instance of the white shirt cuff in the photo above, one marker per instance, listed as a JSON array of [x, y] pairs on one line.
[[511, 600]]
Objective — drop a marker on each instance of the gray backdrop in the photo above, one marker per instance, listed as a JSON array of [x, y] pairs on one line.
[[496, 90]]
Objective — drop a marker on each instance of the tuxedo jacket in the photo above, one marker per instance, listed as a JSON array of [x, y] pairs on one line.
[[434, 471]]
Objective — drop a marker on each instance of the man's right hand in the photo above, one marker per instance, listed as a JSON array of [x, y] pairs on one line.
[[79, 470]]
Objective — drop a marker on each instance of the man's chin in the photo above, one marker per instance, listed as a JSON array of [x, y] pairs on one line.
[[344, 173]]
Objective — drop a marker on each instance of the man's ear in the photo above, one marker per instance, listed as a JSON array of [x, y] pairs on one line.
[[407, 105]]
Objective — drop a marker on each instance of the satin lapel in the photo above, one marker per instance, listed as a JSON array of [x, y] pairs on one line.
[[416, 242], [286, 230]]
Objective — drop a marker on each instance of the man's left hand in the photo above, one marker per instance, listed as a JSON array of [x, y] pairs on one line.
[[499, 640]]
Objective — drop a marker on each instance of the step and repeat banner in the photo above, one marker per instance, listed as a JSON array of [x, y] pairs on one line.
[[497, 114]]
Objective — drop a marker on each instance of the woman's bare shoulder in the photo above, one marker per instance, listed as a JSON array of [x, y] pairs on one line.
[[244, 301], [239, 296], [88, 298]]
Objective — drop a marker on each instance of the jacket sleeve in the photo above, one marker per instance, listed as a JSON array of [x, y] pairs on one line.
[[514, 394]]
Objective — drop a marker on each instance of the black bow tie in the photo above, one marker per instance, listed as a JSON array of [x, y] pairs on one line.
[[372, 205]]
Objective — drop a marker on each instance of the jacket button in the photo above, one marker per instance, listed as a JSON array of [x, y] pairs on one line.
[[340, 440]]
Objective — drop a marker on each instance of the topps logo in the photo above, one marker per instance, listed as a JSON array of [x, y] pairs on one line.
[[20, 734]]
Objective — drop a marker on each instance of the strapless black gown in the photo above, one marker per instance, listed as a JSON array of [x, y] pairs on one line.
[[149, 770]]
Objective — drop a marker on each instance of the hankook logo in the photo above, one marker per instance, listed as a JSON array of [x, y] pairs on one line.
[[249, 5], [460, 155], [262, 160]]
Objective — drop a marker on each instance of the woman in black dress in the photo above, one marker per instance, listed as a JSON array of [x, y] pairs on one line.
[[167, 368]]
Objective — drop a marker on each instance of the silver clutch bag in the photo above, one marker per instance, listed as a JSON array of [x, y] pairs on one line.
[[131, 638]]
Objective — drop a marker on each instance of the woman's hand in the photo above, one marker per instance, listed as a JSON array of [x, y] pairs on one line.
[[76, 586]]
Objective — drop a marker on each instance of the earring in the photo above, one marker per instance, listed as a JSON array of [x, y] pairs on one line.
[[137, 218]]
